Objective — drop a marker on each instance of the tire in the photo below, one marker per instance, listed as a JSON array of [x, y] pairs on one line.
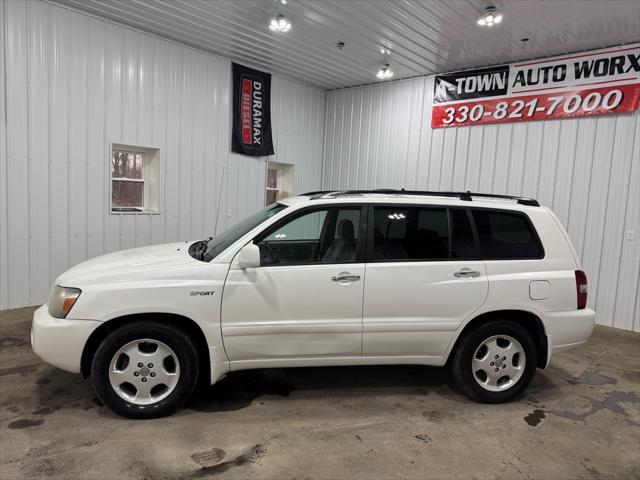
[[483, 350], [165, 381]]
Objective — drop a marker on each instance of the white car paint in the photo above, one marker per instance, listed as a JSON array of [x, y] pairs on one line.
[[397, 312], [419, 316]]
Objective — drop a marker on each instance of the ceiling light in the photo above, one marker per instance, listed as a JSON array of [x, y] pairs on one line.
[[490, 18], [280, 24], [385, 73]]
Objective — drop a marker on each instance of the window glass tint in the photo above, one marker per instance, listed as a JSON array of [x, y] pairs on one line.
[[347, 214], [320, 236], [434, 220], [306, 227], [409, 233], [505, 235], [463, 245]]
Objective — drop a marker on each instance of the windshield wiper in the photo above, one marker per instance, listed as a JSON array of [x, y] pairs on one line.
[[201, 249]]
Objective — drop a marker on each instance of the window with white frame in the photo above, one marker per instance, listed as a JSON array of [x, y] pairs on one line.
[[279, 181], [135, 179], [272, 185]]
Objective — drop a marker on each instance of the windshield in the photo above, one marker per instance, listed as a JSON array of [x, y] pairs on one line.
[[217, 245]]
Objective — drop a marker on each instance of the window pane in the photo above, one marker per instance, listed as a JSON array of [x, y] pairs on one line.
[[127, 194], [321, 236], [342, 229], [272, 196], [435, 220], [506, 235], [272, 178], [126, 164], [411, 233], [463, 245], [351, 215], [306, 227]]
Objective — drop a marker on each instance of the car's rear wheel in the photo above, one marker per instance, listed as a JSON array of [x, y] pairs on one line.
[[145, 369], [495, 361]]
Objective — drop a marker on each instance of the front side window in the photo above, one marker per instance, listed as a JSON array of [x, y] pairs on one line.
[[320, 236], [506, 235], [220, 243]]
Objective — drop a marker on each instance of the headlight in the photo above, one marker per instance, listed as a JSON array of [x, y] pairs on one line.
[[61, 300]]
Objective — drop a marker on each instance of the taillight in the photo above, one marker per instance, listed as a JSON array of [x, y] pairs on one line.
[[581, 289]]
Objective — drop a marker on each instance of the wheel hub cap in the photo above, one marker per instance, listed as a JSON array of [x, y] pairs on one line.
[[498, 363], [144, 371]]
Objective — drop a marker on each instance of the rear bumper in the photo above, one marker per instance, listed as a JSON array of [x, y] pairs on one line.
[[60, 341], [566, 330]]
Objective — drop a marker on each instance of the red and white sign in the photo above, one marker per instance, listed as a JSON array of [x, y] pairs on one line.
[[602, 82], [245, 111]]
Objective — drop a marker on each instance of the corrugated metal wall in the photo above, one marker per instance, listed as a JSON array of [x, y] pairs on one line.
[[73, 84], [587, 170]]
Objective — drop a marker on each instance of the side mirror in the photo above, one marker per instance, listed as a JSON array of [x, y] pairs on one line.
[[249, 256]]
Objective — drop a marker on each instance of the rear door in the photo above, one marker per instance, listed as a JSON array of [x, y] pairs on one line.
[[424, 277]]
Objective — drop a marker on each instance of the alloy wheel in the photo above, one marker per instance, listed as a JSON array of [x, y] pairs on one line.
[[498, 363], [144, 371]]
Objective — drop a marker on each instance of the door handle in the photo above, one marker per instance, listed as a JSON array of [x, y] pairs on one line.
[[345, 277], [466, 272]]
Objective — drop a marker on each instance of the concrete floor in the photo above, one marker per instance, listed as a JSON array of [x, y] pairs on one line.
[[579, 419]]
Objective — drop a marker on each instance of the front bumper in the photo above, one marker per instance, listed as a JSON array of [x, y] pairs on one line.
[[566, 330], [60, 341]]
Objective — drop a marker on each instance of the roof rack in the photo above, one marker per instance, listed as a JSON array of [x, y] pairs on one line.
[[466, 196], [318, 192]]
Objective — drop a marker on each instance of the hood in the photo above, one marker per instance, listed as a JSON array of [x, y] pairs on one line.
[[127, 264]]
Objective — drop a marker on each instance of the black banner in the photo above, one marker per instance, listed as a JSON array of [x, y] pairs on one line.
[[251, 133], [480, 83]]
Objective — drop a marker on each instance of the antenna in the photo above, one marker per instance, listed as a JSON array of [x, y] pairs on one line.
[[215, 227]]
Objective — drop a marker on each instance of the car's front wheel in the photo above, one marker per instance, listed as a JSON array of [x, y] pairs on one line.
[[145, 369], [495, 361]]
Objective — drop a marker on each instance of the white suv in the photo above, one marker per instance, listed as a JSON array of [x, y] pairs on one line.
[[487, 284]]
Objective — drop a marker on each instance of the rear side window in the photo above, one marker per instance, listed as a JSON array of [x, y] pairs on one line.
[[506, 235], [409, 233], [463, 245], [421, 233]]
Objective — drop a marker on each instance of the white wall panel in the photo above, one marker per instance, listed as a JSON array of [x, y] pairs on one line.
[[587, 170], [299, 139], [74, 84], [4, 200]]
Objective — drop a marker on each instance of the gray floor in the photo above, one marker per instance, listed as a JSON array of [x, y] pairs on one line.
[[579, 419]]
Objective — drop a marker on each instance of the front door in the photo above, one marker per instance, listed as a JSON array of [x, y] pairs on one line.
[[305, 300], [424, 277]]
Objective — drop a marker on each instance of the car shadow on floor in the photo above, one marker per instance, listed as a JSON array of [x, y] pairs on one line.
[[60, 390], [239, 389]]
